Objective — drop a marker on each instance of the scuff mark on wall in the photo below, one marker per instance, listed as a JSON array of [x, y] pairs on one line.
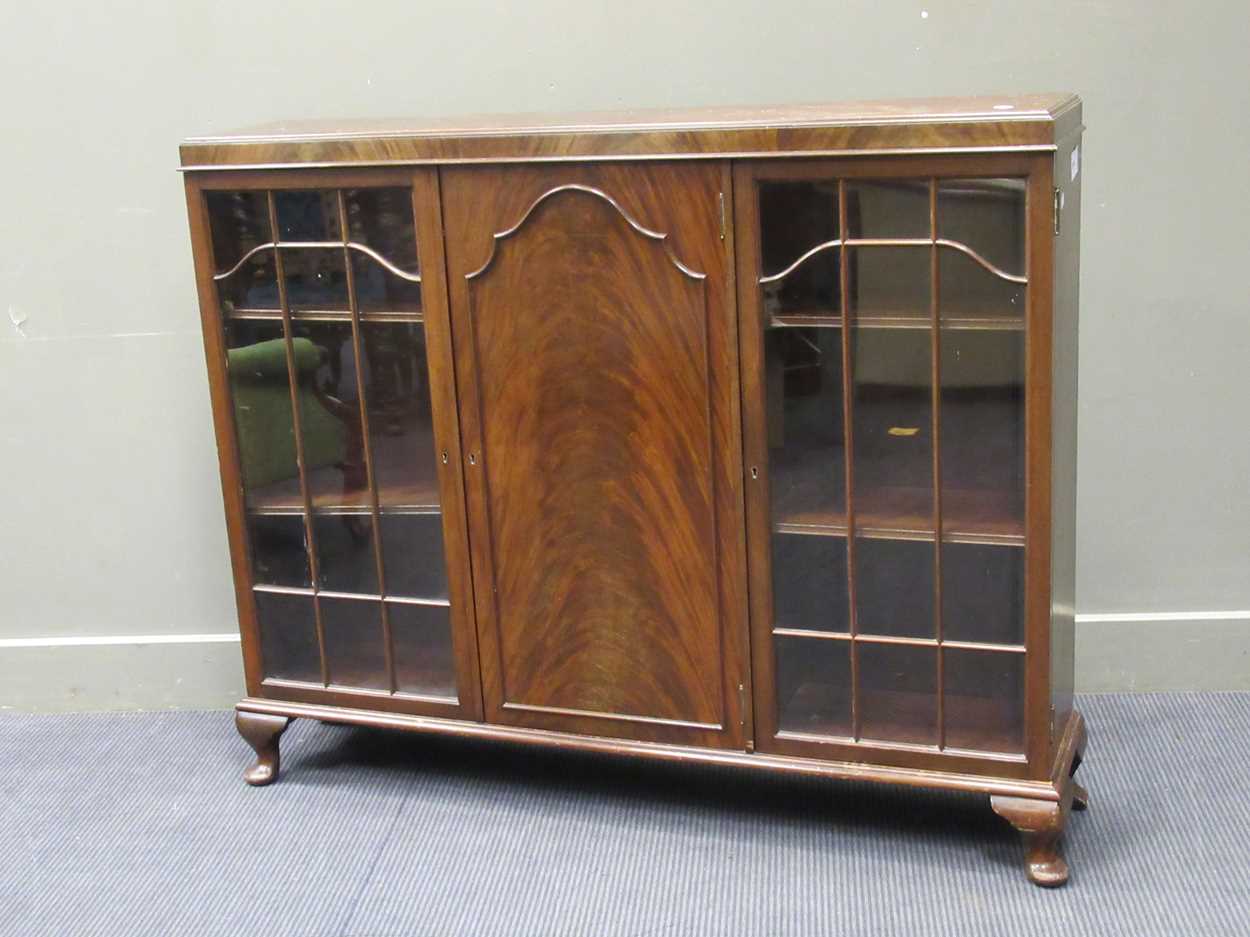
[[18, 318]]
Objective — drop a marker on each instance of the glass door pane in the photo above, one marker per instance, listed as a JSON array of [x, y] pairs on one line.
[[892, 492], [798, 223], [982, 458], [898, 693], [984, 701], [807, 455], [981, 223], [894, 339], [320, 298], [813, 686], [893, 439], [804, 362]]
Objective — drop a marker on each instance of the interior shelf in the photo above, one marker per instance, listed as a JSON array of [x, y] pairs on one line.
[[789, 632], [970, 318], [807, 499], [403, 495], [401, 314]]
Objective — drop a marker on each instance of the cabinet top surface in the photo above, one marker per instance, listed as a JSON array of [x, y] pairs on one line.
[[1019, 122]]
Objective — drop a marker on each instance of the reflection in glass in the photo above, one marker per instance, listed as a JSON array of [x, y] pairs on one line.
[[254, 286], [382, 220], [983, 442], [794, 218], [355, 642], [421, 637], [279, 551], [803, 373], [813, 686], [981, 452], [239, 222], [412, 546], [898, 693], [894, 587], [316, 279], [261, 393], [984, 700], [397, 393], [809, 583], [983, 593], [308, 215], [345, 560], [988, 215], [970, 295], [890, 285], [288, 636], [893, 440], [334, 456], [378, 290], [891, 208], [327, 383]]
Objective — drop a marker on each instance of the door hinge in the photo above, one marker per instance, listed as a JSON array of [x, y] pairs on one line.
[[1058, 207], [720, 198]]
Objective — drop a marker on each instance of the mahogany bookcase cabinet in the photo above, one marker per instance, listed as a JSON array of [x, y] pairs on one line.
[[732, 436]]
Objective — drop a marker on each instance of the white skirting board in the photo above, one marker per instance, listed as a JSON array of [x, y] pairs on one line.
[[1159, 651], [83, 674], [1122, 652]]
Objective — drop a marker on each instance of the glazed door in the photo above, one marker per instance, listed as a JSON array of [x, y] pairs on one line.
[[596, 364], [887, 317], [329, 349]]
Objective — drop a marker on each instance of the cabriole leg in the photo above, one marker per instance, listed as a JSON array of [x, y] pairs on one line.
[[1080, 796], [1040, 823], [262, 732]]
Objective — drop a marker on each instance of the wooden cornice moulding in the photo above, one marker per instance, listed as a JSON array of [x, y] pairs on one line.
[[1036, 122]]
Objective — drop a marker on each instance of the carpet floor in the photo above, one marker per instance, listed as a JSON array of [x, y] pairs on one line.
[[139, 824]]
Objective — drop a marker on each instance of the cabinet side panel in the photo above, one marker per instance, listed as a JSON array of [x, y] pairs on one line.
[[1038, 462], [1063, 471]]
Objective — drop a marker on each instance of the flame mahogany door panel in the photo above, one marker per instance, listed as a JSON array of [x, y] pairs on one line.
[[596, 363]]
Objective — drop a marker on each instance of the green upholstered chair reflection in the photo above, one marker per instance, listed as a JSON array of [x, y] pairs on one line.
[[263, 417]]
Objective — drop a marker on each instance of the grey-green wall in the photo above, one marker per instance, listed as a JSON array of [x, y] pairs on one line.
[[110, 517]]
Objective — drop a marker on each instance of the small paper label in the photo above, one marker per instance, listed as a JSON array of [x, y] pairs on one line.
[[1076, 162]]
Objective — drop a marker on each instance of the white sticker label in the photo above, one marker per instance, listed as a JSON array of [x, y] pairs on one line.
[[1076, 162]]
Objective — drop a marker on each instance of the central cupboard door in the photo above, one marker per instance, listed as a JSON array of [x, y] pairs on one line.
[[596, 365]]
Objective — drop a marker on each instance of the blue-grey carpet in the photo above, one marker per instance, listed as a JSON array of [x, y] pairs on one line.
[[139, 824]]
